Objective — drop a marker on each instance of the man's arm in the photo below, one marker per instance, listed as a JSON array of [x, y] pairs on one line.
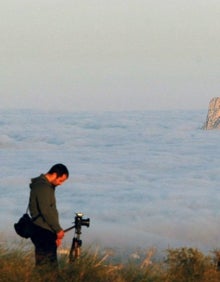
[[47, 205]]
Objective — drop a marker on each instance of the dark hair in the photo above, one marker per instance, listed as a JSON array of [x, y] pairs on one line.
[[59, 169]]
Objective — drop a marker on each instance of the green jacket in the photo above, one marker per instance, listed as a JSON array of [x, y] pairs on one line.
[[43, 202]]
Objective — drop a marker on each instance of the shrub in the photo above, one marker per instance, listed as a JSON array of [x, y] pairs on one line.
[[189, 265]]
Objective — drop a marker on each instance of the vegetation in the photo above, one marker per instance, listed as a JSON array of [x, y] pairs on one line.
[[179, 265]]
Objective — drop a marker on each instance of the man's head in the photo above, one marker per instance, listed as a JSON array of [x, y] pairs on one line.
[[57, 174]]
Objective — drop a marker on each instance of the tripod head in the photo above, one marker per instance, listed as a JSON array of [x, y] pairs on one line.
[[78, 223]]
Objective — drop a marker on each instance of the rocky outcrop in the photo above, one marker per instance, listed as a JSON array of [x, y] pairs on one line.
[[213, 116]]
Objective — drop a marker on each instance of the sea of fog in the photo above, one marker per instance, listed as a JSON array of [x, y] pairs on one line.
[[145, 179]]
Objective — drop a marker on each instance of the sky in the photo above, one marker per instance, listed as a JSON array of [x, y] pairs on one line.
[[109, 55]]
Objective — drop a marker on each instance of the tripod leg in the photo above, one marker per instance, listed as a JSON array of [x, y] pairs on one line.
[[72, 250], [78, 244], [75, 250]]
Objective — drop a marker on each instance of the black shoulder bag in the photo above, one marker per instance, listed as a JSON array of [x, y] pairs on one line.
[[25, 226]]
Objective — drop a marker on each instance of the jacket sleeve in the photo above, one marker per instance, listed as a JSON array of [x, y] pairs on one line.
[[47, 206]]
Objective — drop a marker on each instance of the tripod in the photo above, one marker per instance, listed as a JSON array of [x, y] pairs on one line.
[[75, 249]]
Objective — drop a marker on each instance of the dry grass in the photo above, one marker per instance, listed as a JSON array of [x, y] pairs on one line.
[[180, 265]]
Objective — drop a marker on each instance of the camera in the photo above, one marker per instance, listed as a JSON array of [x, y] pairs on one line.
[[80, 221]]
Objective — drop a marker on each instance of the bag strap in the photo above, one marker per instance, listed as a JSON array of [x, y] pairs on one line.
[[27, 208], [36, 217], [33, 218]]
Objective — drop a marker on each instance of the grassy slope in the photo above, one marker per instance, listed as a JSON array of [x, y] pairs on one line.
[[179, 265]]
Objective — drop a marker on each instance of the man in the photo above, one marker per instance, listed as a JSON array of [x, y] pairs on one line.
[[48, 232]]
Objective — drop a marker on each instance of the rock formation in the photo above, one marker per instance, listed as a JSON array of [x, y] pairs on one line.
[[213, 116]]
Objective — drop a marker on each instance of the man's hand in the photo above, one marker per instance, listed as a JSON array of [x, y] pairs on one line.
[[60, 236]]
